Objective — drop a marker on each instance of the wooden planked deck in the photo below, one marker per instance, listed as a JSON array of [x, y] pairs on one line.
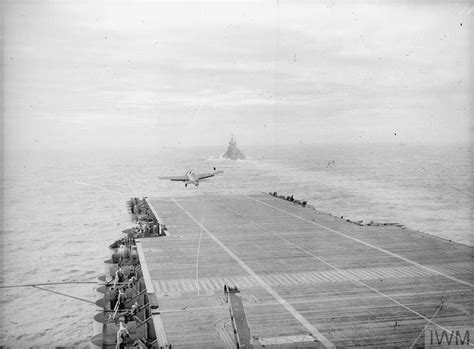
[[307, 279]]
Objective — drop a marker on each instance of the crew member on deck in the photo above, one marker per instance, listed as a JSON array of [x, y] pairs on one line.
[[122, 336], [119, 276], [113, 297], [122, 298], [134, 309]]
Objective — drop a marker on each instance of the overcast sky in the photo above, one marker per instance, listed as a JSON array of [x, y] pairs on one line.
[[90, 74]]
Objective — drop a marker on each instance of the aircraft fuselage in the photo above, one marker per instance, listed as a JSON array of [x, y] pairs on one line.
[[192, 179]]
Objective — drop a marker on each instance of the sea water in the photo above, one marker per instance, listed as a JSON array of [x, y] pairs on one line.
[[63, 208]]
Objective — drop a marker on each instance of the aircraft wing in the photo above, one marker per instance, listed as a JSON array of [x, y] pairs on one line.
[[176, 178], [201, 176]]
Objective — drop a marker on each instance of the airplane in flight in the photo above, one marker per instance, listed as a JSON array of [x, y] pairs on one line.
[[192, 178]]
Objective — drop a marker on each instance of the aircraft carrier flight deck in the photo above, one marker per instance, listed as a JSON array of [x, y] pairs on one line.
[[261, 271]]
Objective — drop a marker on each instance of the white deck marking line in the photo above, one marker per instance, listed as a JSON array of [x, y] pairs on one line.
[[314, 278], [330, 276], [318, 277], [361, 275], [171, 287], [424, 328], [306, 279], [446, 269], [199, 247], [269, 280], [366, 244], [457, 269], [350, 276], [403, 273], [158, 287], [292, 278], [177, 286], [163, 287], [242, 283], [391, 274], [371, 273], [279, 279], [215, 284], [220, 283], [420, 272], [183, 287], [338, 276], [406, 272], [251, 281], [208, 284], [449, 268], [316, 334], [324, 276], [189, 285]]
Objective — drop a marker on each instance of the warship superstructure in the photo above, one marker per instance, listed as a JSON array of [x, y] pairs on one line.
[[232, 152]]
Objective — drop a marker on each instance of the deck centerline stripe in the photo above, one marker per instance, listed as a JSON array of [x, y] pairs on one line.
[[365, 243], [318, 335]]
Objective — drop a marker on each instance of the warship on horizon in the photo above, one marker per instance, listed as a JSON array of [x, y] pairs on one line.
[[232, 152]]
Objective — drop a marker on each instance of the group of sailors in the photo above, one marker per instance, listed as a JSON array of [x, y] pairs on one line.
[[140, 210], [289, 198], [145, 230], [124, 280], [118, 302], [126, 276]]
